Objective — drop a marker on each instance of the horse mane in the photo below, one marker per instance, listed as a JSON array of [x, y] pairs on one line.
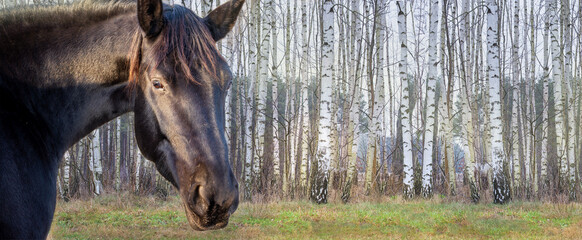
[[186, 38]]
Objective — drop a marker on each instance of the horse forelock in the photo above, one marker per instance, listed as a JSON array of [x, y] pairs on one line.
[[186, 39]]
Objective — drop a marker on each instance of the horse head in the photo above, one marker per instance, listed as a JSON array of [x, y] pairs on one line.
[[180, 82]]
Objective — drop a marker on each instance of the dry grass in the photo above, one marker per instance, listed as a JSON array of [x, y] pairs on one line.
[[129, 217]]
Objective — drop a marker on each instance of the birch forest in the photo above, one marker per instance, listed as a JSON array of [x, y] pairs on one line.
[[341, 100]]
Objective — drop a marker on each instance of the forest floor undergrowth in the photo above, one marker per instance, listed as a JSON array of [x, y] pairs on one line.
[[131, 217]]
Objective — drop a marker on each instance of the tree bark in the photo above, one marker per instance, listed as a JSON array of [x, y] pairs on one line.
[[501, 191]]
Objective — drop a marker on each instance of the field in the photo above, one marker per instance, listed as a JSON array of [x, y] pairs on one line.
[[128, 217]]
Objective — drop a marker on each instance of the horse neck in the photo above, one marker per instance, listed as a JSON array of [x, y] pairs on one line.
[[67, 82]]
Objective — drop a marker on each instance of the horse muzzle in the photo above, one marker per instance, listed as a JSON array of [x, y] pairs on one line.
[[208, 208]]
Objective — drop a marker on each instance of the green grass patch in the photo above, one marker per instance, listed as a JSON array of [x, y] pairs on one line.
[[128, 217]]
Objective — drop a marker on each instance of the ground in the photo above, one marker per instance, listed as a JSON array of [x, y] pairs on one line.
[[129, 217]]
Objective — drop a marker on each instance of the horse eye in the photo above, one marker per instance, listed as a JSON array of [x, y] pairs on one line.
[[158, 84]]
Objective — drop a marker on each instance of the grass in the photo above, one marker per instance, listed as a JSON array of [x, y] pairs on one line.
[[129, 217]]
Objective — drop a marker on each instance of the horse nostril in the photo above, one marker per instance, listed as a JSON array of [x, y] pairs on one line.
[[198, 202], [214, 202]]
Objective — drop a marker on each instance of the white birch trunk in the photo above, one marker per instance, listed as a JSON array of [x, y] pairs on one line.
[[371, 146], [96, 168], [516, 72], [445, 123], [450, 144], [431, 99], [487, 134], [138, 166], [248, 102], [560, 110], [534, 142], [543, 166], [380, 100], [528, 114], [261, 83], [187, 3], [286, 165], [557, 83], [500, 188], [353, 129], [515, 140], [291, 109], [569, 96], [405, 104], [275, 76], [66, 175], [207, 7], [326, 121], [470, 114], [118, 154], [304, 95], [248, 139]]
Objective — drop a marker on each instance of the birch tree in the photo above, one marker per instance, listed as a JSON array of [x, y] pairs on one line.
[[568, 97], [556, 79], [206, 7], [250, 100], [350, 107], [543, 164], [516, 134], [446, 109], [284, 104], [467, 100], [379, 110], [96, 168], [303, 152], [432, 109], [266, 134], [372, 132], [535, 129], [405, 103], [324, 154], [501, 192]]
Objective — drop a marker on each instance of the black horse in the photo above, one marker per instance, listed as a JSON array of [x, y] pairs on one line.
[[65, 70]]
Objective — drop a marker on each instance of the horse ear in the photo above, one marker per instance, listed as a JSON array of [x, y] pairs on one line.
[[150, 17], [221, 20]]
